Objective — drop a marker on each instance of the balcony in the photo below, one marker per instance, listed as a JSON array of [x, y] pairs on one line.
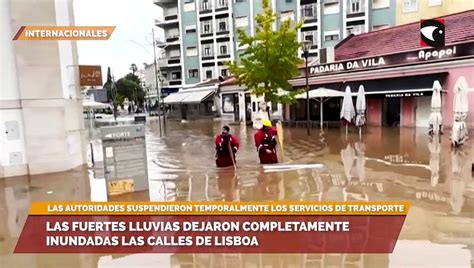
[[163, 3], [169, 62], [169, 22], [355, 8], [309, 13], [206, 7]]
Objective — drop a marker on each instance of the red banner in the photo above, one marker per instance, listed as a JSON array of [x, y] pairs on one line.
[[122, 234]]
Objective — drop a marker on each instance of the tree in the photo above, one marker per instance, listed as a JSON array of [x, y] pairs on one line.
[[271, 58], [129, 86]]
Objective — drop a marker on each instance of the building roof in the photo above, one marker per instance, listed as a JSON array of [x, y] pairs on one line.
[[403, 38]]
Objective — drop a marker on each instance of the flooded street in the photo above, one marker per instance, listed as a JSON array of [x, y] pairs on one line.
[[387, 164]]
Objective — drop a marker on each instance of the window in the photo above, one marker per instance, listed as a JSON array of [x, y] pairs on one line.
[[176, 75], [241, 22], [222, 3], [433, 3], [310, 36], [191, 51], [228, 103], [355, 6], [224, 72], [222, 25], [331, 35], [175, 53], [331, 7], [287, 15], [380, 4], [207, 50], [191, 28], [410, 6], [223, 49], [189, 6], [308, 11], [206, 27], [209, 74], [192, 73], [240, 1], [380, 27], [274, 107], [205, 5]]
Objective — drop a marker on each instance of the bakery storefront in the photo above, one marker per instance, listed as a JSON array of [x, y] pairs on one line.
[[398, 86]]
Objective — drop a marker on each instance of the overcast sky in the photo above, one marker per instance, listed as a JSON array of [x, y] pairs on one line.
[[134, 20]]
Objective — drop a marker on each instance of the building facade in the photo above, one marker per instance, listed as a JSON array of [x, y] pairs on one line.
[[397, 73], [200, 35], [413, 10], [41, 120]]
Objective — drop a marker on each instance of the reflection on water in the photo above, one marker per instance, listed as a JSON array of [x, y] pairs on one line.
[[386, 164]]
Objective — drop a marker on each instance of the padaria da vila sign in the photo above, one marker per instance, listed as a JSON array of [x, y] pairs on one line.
[[404, 58]]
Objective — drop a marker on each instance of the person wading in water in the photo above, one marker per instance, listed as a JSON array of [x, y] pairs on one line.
[[227, 146], [265, 141]]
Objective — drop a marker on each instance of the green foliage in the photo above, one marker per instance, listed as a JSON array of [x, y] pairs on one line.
[[130, 87], [271, 58]]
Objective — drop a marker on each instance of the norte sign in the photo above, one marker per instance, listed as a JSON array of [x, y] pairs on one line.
[[404, 58]]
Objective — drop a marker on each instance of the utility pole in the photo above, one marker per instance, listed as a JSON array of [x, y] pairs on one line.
[[156, 79]]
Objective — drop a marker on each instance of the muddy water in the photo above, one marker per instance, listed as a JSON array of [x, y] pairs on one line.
[[386, 164]]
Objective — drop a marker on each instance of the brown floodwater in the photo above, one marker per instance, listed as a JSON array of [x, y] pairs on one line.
[[386, 164]]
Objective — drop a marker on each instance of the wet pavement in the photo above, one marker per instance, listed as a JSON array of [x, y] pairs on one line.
[[387, 164]]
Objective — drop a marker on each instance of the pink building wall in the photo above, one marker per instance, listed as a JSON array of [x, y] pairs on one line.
[[408, 112], [468, 73], [374, 112]]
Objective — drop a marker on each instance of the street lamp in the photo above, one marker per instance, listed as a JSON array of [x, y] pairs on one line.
[[306, 46], [161, 78]]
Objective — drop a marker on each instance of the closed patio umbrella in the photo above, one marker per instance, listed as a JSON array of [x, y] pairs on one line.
[[361, 106], [347, 109], [436, 120], [460, 110]]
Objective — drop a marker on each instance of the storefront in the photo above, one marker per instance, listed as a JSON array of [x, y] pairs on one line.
[[398, 78], [194, 102]]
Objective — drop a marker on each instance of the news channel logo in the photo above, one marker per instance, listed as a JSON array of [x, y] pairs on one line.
[[432, 33]]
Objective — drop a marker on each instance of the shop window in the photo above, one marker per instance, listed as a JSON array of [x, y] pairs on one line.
[[208, 74], [228, 103]]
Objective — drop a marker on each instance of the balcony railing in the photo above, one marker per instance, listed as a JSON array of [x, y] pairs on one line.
[[222, 4], [309, 12], [355, 6]]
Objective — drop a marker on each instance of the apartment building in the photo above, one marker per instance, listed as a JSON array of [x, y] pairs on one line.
[[414, 10], [200, 35]]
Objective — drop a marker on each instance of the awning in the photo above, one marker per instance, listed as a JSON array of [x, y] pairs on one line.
[[188, 97], [177, 97]]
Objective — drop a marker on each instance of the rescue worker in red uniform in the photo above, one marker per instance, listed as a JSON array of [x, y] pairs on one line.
[[265, 141], [226, 147]]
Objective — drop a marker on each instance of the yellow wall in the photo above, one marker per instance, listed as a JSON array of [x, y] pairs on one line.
[[425, 12]]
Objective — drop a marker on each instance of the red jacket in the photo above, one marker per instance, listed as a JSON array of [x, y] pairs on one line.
[[266, 141], [223, 156]]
